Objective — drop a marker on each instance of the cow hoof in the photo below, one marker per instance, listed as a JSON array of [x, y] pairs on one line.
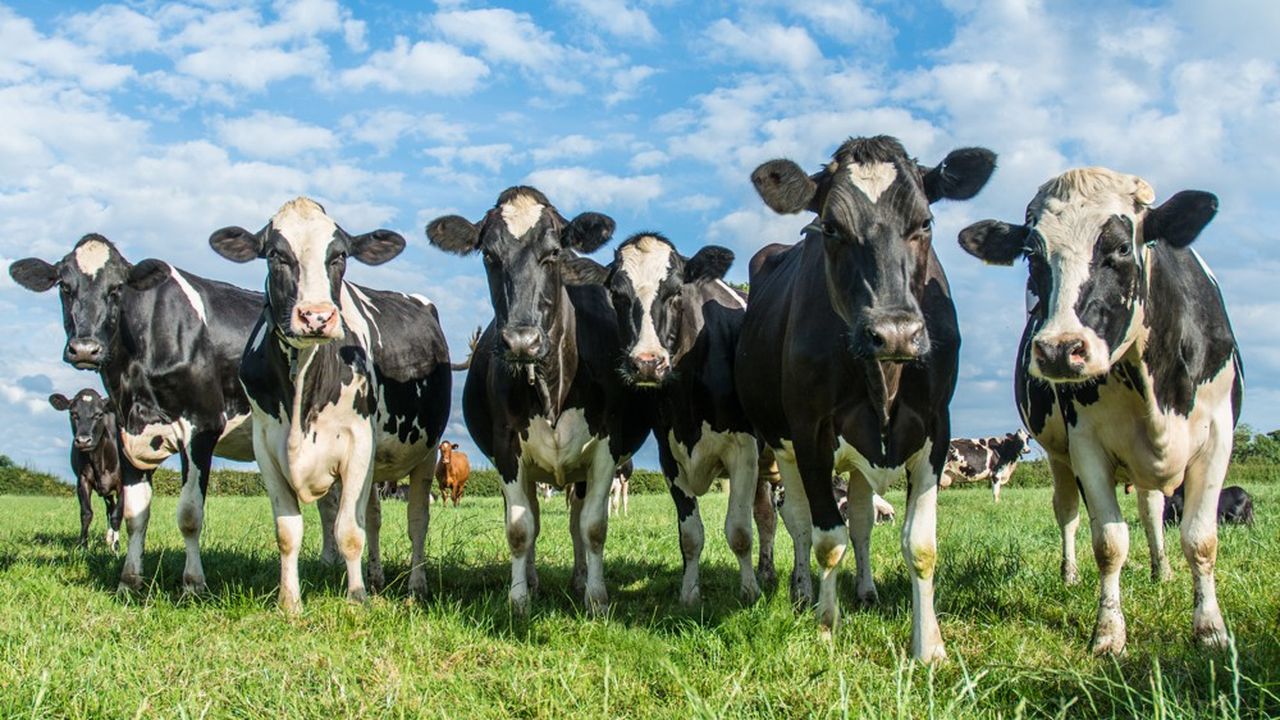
[[1211, 635], [519, 602], [767, 577], [130, 585], [868, 596], [1161, 573], [598, 603], [376, 579], [801, 591], [691, 596], [358, 596], [578, 583], [330, 556], [194, 587], [418, 582], [749, 591], [1108, 641], [290, 605], [1070, 575], [934, 654]]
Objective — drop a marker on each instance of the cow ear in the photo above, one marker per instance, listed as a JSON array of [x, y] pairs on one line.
[[377, 247], [583, 271], [587, 232], [709, 263], [59, 402], [454, 234], [994, 242], [961, 175], [34, 274], [455, 445], [784, 187], [1180, 218], [236, 244], [148, 274]]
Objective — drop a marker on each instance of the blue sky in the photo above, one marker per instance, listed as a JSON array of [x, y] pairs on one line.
[[155, 123]]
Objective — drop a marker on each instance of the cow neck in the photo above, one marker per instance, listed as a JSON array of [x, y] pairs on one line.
[[547, 377], [125, 350], [883, 380]]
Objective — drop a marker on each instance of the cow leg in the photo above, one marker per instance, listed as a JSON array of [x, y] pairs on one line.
[[137, 513], [327, 506], [830, 535], [520, 535], [920, 551], [795, 515], [419, 520], [767, 527], [531, 567], [349, 530], [86, 511], [1110, 542], [595, 526], [689, 523], [1199, 530], [1151, 513], [576, 494], [1066, 508], [288, 519], [114, 508], [373, 528], [862, 517], [626, 497], [197, 461], [742, 466]]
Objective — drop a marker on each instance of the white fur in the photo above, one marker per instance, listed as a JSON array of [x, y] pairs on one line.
[[872, 178], [646, 263], [733, 295], [308, 231], [138, 447], [236, 441], [192, 296], [92, 256], [521, 213], [561, 449]]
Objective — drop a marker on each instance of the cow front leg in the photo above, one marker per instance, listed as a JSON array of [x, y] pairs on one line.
[[86, 511], [1151, 513], [520, 535], [327, 506], [576, 494], [1110, 535], [197, 461], [137, 514], [862, 517], [766, 518], [595, 527], [795, 515], [288, 520], [1199, 530], [741, 464], [689, 525], [373, 529], [114, 513], [419, 520], [531, 567], [920, 551], [1066, 508]]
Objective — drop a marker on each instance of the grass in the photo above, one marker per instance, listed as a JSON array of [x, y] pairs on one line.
[[1017, 637]]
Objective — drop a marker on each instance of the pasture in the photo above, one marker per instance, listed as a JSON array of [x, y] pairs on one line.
[[1017, 638]]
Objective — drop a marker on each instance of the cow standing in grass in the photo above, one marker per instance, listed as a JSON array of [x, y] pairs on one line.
[[95, 458], [620, 490], [680, 323], [991, 458], [1127, 371], [452, 470], [848, 356], [543, 398], [349, 386]]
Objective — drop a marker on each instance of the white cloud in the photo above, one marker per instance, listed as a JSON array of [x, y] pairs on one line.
[[267, 135], [424, 67], [505, 36], [25, 54], [766, 43], [647, 159], [627, 82], [569, 146], [384, 129], [587, 189], [491, 157], [616, 17]]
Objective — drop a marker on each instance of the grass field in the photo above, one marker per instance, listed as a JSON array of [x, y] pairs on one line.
[[1017, 637]]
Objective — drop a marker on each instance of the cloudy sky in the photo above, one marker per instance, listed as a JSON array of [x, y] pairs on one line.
[[154, 123]]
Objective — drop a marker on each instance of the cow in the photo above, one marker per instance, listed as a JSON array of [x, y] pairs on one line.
[[620, 488], [452, 471], [95, 458], [679, 324], [349, 386], [991, 458], [1127, 371], [840, 491], [543, 399], [1235, 506], [848, 357], [167, 346]]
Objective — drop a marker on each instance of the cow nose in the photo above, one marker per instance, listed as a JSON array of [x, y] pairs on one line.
[[83, 441], [649, 367], [897, 337], [523, 341], [316, 319], [83, 352], [1064, 356]]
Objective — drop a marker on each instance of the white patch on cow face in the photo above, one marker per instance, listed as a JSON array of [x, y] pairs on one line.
[[192, 296], [308, 231], [872, 178], [646, 264], [521, 213], [92, 257]]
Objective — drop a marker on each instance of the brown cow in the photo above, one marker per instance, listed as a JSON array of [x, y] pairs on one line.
[[452, 471]]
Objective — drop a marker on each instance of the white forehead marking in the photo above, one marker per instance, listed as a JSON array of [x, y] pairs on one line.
[[193, 297], [872, 178], [646, 263], [302, 222], [92, 256], [521, 213]]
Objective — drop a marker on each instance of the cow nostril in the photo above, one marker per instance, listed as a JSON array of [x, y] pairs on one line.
[[1079, 351], [875, 337]]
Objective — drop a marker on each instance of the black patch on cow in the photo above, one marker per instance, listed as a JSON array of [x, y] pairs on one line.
[[1107, 296]]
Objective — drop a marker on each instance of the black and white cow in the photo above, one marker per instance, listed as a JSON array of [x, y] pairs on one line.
[[1235, 506], [990, 458], [167, 345], [543, 398], [679, 324], [95, 458], [620, 490], [848, 356], [1127, 371], [349, 386]]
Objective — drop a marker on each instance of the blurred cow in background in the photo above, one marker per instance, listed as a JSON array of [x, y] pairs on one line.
[[95, 458], [452, 471], [991, 458]]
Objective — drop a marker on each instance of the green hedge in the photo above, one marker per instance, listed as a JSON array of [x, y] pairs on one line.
[[487, 483], [167, 481], [17, 480]]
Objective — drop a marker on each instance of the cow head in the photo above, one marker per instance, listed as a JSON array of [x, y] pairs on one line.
[[306, 253], [1022, 440], [875, 226], [1086, 241], [90, 280], [657, 322], [92, 417], [530, 253], [446, 451]]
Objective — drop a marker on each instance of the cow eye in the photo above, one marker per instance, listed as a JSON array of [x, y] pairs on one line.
[[337, 258], [1123, 250], [927, 225], [829, 229]]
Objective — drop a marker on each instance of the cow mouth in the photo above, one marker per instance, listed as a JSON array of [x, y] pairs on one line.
[[86, 365]]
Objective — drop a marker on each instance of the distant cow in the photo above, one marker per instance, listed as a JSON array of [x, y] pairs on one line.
[[1128, 370], [452, 471], [620, 490], [348, 385], [848, 357], [990, 458], [840, 487], [1235, 506], [95, 459]]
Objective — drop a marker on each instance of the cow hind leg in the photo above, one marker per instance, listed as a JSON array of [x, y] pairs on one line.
[[137, 514], [1151, 513], [1066, 508], [689, 524], [862, 514], [1199, 532], [197, 460], [799, 522], [419, 510], [327, 506], [595, 528], [373, 528], [766, 518], [741, 465], [520, 535], [920, 551], [575, 495], [531, 568]]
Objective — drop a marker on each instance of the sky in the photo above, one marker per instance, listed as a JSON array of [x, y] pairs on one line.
[[155, 123]]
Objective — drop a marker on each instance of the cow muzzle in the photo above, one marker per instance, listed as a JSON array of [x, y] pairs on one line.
[[523, 343], [316, 320], [650, 368], [1063, 357], [83, 353], [85, 442], [895, 336]]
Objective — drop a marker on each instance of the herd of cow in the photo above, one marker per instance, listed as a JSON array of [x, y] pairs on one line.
[[842, 360]]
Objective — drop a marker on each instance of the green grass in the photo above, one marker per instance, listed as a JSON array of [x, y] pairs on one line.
[[1017, 637]]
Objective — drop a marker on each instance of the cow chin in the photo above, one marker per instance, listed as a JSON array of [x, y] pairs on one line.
[[303, 340]]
